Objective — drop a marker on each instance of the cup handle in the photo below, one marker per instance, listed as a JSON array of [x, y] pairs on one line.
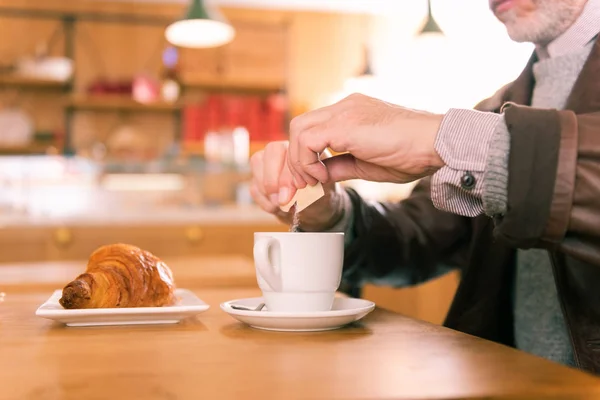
[[269, 272]]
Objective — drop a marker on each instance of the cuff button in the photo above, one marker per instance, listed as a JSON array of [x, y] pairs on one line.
[[467, 181]]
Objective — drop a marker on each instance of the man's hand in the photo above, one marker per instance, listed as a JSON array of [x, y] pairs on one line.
[[382, 142], [273, 186]]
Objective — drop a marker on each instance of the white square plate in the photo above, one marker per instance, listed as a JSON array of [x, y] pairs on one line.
[[189, 305]]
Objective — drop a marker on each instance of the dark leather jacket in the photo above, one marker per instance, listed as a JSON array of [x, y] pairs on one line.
[[553, 203]]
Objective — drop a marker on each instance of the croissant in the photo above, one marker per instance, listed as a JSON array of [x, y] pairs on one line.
[[121, 275]]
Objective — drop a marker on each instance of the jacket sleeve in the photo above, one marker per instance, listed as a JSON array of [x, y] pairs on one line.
[[554, 181], [403, 243]]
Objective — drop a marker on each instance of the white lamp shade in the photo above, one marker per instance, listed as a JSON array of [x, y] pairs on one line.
[[199, 33]]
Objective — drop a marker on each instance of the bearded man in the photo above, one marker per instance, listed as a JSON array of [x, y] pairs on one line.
[[513, 200]]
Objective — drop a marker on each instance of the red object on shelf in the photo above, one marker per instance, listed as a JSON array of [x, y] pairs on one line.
[[145, 89], [253, 118], [264, 118], [226, 114], [188, 123], [235, 106], [194, 122], [275, 119], [213, 104]]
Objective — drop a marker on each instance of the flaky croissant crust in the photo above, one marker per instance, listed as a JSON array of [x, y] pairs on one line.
[[121, 275]]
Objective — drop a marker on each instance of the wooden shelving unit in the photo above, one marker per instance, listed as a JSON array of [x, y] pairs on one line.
[[230, 85], [207, 71], [12, 80], [197, 148], [118, 103], [34, 148]]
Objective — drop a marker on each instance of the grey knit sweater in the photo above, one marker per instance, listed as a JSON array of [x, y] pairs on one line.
[[539, 323]]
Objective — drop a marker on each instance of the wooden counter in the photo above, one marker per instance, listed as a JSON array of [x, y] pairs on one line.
[[214, 357], [197, 272]]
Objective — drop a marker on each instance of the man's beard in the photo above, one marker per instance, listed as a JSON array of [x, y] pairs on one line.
[[551, 19]]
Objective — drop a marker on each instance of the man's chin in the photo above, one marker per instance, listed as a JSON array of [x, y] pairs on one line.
[[518, 31], [520, 40]]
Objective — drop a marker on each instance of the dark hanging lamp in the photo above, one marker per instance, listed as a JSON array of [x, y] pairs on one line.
[[201, 26], [364, 80], [367, 70], [430, 25]]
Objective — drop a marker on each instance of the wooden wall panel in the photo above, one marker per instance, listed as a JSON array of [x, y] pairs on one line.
[[327, 49], [117, 52], [259, 54], [200, 64]]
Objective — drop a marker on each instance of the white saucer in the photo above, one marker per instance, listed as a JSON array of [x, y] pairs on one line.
[[344, 311], [189, 304]]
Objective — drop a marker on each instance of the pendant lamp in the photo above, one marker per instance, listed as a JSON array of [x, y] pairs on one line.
[[367, 70], [364, 82], [430, 25], [201, 26]]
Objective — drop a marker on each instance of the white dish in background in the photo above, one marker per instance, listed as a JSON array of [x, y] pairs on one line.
[[345, 311], [189, 305], [17, 127]]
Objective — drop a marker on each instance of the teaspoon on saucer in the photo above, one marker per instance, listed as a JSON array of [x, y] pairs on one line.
[[258, 308]]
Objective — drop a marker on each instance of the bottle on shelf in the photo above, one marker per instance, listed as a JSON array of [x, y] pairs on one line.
[[170, 90], [241, 146], [212, 138]]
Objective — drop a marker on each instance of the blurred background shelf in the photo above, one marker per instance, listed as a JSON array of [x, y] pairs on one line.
[[234, 86], [32, 149], [118, 103], [198, 148], [17, 81]]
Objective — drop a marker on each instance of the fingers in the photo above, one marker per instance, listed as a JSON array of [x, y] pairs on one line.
[[311, 135], [264, 203], [262, 200], [287, 187], [257, 188], [312, 121], [311, 144], [272, 182], [306, 163], [342, 168], [274, 158], [256, 166]]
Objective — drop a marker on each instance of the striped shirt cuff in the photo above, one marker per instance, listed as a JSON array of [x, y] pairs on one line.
[[463, 143]]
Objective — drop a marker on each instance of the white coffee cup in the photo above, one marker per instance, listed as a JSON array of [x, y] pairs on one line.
[[299, 271]]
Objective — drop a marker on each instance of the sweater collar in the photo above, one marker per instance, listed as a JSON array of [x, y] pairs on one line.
[[580, 34], [585, 96]]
